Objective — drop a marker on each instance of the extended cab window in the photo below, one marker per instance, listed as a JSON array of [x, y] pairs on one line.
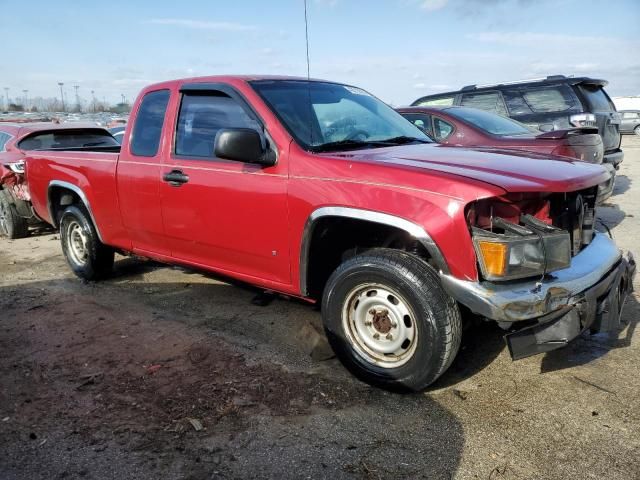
[[148, 126], [202, 114], [490, 101], [68, 139]]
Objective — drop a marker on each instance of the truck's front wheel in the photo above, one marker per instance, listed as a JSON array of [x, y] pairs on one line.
[[389, 320], [87, 256]]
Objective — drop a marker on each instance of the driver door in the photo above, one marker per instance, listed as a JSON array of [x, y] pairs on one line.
[[220, 214]]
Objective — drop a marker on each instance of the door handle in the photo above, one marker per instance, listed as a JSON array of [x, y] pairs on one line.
[[175, 178]]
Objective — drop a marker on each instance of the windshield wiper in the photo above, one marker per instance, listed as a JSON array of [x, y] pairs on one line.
[[402, 140], [327, 147]]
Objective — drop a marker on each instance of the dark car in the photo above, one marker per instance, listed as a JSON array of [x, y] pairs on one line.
[[472, 127], [551, 103], [630, 121]]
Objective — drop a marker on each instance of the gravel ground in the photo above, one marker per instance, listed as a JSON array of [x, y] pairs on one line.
[[164, 373]]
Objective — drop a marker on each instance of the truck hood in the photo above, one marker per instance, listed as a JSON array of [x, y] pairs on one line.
[[510, 170]]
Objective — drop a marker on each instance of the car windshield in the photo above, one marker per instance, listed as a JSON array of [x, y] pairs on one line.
[[490, 122], [327, 116]]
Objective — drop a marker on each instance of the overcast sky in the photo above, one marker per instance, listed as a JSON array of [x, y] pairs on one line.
[[396, 49]]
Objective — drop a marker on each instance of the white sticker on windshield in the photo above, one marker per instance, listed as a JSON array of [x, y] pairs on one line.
[[356, 91]]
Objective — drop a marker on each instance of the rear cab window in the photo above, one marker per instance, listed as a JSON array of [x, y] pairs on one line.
[[68, 139], [149, 120]]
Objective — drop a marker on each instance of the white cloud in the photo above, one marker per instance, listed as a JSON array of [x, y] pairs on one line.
[[203, 25], [529, 39], [433, 5]]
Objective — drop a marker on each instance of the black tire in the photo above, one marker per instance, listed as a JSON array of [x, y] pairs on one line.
[[87, 256], [12, 225], [436, 319], [637, 130]]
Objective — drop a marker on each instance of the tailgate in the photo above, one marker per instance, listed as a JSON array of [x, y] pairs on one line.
[[607, 118]]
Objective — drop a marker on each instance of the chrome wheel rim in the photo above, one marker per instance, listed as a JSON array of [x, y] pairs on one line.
[[77, 243], [380, 325]]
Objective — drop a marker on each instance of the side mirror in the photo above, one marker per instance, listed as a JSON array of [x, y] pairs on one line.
[[546, 127], [243, 145]]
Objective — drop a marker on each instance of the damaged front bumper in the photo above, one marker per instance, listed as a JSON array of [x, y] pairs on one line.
[[587, 295]]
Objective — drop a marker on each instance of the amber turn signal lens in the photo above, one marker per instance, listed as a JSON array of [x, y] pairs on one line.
[[494, 256]]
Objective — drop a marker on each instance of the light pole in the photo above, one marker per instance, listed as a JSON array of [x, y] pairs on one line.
[[26, 100], [76, 87], [61, 94], [93, 101], [6, 92]]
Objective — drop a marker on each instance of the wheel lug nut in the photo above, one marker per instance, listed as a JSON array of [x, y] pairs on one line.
[[376, 336], [394, 325], [389, 336], [372, 311], [368, 324]]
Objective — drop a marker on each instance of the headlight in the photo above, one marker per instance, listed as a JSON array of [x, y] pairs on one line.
[[521, 251]]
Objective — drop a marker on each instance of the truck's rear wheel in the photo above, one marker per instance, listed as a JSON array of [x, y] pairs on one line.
[[87, 256], [12, 225], [389, 320]]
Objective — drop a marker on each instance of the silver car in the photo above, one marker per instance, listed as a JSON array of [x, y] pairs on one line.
[[630, 121]]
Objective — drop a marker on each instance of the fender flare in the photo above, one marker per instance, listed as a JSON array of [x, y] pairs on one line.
[[78, 191], [413, 229]]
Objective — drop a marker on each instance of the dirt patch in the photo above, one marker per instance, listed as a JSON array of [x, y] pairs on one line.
[[87, 370]]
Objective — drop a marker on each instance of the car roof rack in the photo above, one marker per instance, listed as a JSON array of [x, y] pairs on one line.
[[516, 82]]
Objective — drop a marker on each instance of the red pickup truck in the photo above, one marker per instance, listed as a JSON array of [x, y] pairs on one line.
[[321, 191]]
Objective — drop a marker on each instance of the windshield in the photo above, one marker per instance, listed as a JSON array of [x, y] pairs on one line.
[[490, 122], [328, 116]]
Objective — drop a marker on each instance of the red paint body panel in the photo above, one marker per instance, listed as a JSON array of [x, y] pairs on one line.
[[247, 221]]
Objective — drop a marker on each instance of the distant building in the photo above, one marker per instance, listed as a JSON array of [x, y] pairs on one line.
[[631, 102]]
